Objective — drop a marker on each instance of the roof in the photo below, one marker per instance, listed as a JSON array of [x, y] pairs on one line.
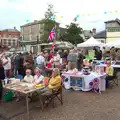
[[116, 20], [101, 34], [31, 23], [10, 30], [35, 22]]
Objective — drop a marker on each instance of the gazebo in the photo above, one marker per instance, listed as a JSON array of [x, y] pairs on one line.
[[92, 42]]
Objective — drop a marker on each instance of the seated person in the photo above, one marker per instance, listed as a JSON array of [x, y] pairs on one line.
[[28, 78], [54, 83], [110, 72], [38, 78]]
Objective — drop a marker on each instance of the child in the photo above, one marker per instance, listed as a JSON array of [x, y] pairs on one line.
[[2, 77], [28, 78]]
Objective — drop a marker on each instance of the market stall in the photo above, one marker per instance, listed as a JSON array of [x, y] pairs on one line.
[[92, 42], [84, 81]]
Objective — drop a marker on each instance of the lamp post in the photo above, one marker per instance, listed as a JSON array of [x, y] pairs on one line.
[[37, 43]]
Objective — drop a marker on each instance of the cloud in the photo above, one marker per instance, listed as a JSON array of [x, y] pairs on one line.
[[18, 11]]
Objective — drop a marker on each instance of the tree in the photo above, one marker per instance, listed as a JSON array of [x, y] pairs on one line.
[[73, 33], [49, 22]]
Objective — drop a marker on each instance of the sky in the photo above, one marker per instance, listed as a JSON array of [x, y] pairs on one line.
[[90, 13]]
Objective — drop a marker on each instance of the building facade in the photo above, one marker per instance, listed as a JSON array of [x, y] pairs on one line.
[[112, 30], [10, 38], [32, 34]]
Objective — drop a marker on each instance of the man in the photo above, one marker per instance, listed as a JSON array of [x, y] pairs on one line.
[[40, 61], [72, 60], [16, 64], [80, 60]]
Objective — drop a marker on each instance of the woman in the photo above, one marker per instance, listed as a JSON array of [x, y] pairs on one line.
[[7, 65], [54, 83], [2, 77], [38, 78], [109, 72], [28, 78]]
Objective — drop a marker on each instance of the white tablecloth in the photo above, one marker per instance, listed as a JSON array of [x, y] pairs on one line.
[[104, 65], [87, 80]]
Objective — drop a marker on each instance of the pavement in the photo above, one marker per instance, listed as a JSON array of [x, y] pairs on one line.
[[76, 106]]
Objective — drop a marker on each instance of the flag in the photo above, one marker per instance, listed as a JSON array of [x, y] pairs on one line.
[[52, 34], [53, 45]]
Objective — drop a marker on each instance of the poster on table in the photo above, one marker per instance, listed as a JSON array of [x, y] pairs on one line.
[[77, 82]]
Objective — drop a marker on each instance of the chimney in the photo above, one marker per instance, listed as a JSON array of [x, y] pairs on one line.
[[35, 21], [94, 30], [14, 28]]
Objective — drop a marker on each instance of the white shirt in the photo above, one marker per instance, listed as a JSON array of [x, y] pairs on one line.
[[38, 79], [28, 78], [57, 59], [8, 65], [40, 60]]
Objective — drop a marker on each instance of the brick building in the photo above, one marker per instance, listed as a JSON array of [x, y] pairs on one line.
[[10, 37]]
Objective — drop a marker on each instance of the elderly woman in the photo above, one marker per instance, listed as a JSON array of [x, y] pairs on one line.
[[38, 78], [54, 83], [28, 78]]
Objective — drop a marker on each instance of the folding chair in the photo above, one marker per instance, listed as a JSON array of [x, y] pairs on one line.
[[49, 98]]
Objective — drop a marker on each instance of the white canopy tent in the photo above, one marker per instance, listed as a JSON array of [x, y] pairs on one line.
[[92, 42], [115, 44]]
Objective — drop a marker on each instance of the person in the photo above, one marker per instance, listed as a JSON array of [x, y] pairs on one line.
[[2, 77], [38, 78], [16, 64], [40, 61], [7, 65], [28, 78], [109, 72], [72, 60], [54, 82], [113, 53], [56, 60], [80, 60], [98, 53]]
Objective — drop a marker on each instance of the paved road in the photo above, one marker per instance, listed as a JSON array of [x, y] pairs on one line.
[[77, 106]]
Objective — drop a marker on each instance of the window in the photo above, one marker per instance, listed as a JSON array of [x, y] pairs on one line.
[[14, 42], [4, 42], [9, 42]]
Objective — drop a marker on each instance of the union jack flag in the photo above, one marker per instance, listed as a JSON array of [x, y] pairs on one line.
[[52, 34]]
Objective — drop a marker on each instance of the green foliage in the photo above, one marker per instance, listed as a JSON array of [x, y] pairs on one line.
[[73, 34], [48, 23]]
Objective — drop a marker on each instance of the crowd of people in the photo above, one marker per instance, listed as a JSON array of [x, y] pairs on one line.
[[34, 69]]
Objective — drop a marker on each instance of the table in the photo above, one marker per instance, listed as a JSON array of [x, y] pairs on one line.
[[87, 80], [104, 65], [24, 88]]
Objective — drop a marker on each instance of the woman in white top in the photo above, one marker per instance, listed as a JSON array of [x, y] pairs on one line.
[[7, 65], [38, 78]]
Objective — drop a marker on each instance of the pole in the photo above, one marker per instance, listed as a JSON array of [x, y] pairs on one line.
[[37, 44]]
